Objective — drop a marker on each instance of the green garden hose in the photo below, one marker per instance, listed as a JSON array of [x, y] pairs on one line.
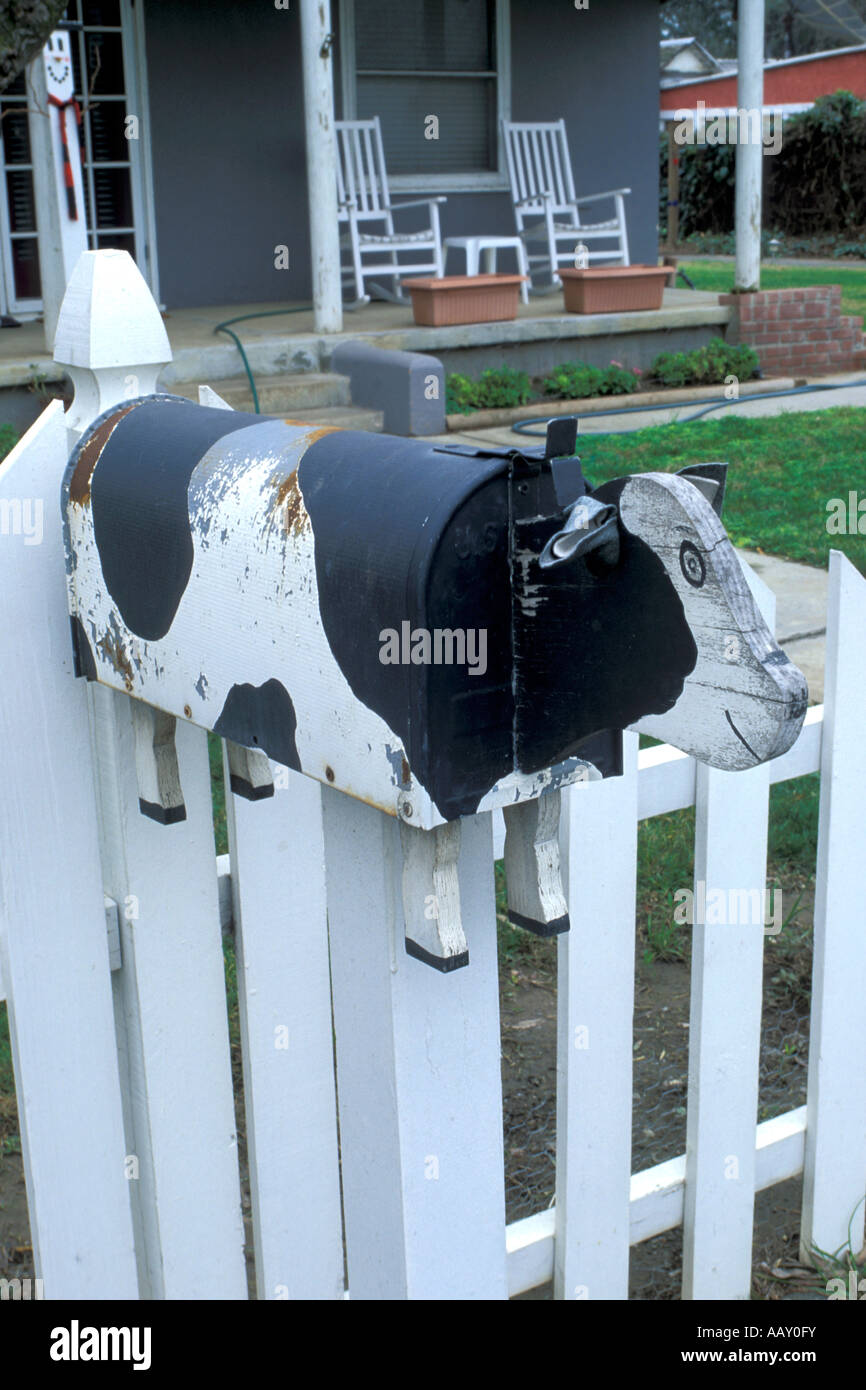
[[224, 327], [525, 426]]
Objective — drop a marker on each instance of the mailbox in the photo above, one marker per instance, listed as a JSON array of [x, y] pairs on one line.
[[434, 629]]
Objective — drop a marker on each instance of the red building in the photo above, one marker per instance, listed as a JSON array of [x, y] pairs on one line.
[[787, 82]]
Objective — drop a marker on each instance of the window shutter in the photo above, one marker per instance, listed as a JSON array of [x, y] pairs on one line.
[[421, 58]]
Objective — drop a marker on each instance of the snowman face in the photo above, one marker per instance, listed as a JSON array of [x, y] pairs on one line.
[[58, 65]]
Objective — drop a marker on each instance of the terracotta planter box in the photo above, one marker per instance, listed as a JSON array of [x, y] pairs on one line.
[[614, 289], [464, 298]]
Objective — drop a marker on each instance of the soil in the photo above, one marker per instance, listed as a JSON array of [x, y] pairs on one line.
[[661, 1022]]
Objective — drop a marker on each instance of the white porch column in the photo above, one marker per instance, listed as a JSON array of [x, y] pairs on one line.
[[62, 237], [750, 97], [316, 40]]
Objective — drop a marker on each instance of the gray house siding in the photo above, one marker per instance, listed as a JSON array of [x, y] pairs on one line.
[[227, 122], [229, 169]]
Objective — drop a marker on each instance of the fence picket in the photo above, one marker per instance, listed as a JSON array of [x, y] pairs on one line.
[[171, 1009], [52, 912], [284, 992], [724, 1033], [835, 1162], [594, 1036], [725, 1021], [418, 1073]]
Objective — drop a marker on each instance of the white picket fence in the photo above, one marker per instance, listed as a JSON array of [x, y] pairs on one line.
[[121, 1050]]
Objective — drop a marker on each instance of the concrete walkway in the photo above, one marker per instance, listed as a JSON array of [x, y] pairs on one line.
[[801, 613], [846, 392]]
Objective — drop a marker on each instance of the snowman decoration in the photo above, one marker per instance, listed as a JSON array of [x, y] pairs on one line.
[[60, 85]]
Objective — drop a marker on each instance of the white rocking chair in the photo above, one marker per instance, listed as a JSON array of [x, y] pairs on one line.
[[363, 201], [546, 208]]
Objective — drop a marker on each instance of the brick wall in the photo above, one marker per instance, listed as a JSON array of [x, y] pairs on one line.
[[798, 331]]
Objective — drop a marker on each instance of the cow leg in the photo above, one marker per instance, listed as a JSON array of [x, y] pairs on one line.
[[431, 895], [159, 791], [249, 772], [535, 895]]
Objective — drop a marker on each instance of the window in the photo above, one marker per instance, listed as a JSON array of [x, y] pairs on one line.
[[103, 47], [408, 60], [17, 210]]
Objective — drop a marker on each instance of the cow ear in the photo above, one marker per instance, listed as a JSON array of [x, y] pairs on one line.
[[708, 478]]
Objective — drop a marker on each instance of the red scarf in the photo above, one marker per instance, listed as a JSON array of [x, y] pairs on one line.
[[71, 204]]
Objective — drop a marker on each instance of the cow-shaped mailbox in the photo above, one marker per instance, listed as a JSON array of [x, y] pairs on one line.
[[435, 630]]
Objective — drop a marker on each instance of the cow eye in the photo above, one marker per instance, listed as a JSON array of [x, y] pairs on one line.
[[692, 564]]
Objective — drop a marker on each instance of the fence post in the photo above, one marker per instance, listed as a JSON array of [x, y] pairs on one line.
[[418, 1072], [279, 907], [170, 991], [284, 992], [834, 1183], [731, 811], [595, 1013], [52, 910]]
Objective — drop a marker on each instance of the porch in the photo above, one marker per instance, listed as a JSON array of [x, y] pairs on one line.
[[280, 343]]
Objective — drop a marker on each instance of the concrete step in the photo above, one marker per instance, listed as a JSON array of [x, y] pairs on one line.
[[278, 395]]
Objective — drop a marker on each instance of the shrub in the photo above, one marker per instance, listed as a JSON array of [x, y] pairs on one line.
[[817, 181], [496, 388], [813, 187], [460, 394], [705, 365], [620, 380], [575, 380]]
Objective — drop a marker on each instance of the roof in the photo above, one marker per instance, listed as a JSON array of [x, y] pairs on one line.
[[726, 67], [686, 56]]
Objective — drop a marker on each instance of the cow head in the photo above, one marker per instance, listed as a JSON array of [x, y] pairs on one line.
[[744, 701]]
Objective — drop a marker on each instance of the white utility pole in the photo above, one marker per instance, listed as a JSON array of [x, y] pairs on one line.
[[316, 42], [750, 149]]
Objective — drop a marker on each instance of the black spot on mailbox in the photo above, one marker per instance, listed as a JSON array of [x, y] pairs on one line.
[[140, 513]]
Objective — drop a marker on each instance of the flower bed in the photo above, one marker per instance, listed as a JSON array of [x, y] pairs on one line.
[[500, 388]]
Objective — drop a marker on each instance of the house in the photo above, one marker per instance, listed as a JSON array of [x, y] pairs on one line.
[[790, 84], [210, 176], [685, 60]]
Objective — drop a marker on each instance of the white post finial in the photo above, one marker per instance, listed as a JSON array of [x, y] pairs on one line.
[[110, 335]]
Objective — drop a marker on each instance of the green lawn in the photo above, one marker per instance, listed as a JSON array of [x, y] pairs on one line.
[[719, 277], [783, 471]]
